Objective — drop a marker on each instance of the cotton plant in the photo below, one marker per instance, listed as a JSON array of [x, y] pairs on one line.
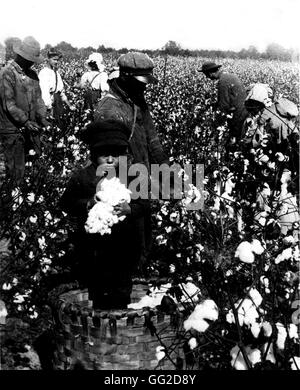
[[101, 216]]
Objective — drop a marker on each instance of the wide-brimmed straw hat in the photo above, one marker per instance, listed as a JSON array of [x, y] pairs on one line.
[[29, 49]]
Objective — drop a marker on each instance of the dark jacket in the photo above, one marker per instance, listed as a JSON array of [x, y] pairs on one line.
[[231, 100], [20, 98], [145, 144]]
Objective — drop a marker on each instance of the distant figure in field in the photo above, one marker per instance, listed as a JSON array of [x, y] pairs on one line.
[[231, 97], [94, 81], [276, 119], [53, 89]]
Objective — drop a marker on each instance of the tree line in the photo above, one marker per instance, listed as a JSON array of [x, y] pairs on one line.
[[273, 51]]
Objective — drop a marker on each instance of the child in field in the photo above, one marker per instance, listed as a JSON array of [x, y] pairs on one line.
[[108, 258]]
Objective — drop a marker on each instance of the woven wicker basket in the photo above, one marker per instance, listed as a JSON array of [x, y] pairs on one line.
[[110, 340]]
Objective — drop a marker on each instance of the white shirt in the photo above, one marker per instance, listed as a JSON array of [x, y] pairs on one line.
[[95, 79], [48, 83]]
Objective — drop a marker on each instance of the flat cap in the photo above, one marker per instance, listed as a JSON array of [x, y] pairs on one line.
[[138, 65], [209, 66], [52, 52]]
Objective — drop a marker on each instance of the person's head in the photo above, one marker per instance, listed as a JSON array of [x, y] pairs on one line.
[[107, 141], [211, 70], [254, 107], [258, 98], [54, 57], [28, 52], [136, 71], [95, 62]]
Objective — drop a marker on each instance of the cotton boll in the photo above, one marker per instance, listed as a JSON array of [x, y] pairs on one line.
[[295, 363], [230, 317], [286, 176], [257, 248], [270, 354], [193, 343], [288, 240], [251, 315], [33, 219], [205, 310], [255, 329], [160, 352], [244, 252], [254, 355], [267, 328], [281, 335], [255, 296], [190, 291], [293, 331], [208, 310], [145, 301], [197, 324], [286, 254], [237, 359]]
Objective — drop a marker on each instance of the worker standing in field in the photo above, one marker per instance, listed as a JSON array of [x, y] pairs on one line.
[[22, 110], [53, 89], [231, 98], [125, 101], [94, 81]]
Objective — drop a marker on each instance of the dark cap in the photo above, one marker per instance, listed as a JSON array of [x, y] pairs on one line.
[[52, 52], [137, 65], [104, 133], [209, 67]]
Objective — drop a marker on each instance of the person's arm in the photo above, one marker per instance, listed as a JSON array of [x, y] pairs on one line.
[[45, 86], [41, 109], [156, 152], [61, 89]]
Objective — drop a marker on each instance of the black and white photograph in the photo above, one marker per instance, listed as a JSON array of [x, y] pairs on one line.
[[149, 176]]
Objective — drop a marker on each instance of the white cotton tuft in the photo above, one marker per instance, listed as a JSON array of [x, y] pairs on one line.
[[206, 310], [255, 329], [267, 328], [281, 337], [160, 352], [295, 363], [197, 324], [270, 354], [257, 248], [286, 254], [254, 355], [293, 331], [193, 343], [237, 358], [255, 296], [101, 217], [190, 292], [244, 252]]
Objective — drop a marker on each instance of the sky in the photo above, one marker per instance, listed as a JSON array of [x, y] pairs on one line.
[[140, 24]]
